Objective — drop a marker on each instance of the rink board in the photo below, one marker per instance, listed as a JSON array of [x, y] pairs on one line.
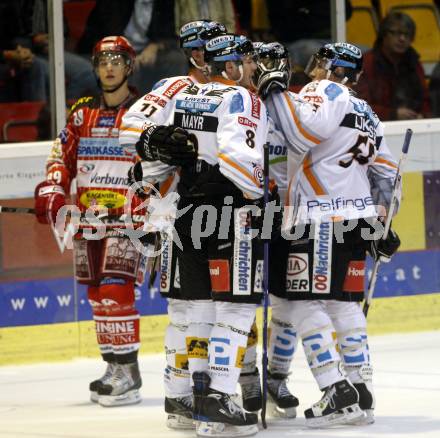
[[43, 318], [64, 329]]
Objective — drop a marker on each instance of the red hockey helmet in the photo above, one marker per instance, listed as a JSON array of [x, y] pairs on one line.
[[114, 45]]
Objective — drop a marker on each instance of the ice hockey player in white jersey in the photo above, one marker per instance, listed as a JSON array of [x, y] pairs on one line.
[[273, 57], [216, 135], [155, 107], [343, 169]]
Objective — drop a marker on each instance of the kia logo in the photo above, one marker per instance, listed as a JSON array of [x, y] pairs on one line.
[[295, 265]]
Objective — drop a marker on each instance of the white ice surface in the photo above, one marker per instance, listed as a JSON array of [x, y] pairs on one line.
[[51, 400]]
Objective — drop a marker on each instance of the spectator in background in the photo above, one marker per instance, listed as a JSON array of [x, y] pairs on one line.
[[434, 91], [186, 11], [24, 67], [302, 25], [393, 81], [149, 25], [23, 77], [80, 78]]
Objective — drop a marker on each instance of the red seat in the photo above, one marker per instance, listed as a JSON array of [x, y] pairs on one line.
[[76, 13], [18, 121]]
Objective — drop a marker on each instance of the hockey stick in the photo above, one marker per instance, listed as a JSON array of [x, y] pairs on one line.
[[396, 187], [21, 210], [265, 292]]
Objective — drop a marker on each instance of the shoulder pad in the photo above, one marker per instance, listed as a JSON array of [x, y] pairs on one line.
[[332, 90]]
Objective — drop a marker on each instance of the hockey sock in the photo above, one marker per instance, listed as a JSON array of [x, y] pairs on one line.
[[227, 344], [201, 317], [176, 376], [283, 340], [103, 337], [117, 295]]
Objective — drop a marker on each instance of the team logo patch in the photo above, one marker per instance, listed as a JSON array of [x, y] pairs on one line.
[[256, 105], [322, 258], [241, 352], [297, 274], [333, 91], [106, 121], [246, 122], [106, 198], [181, 361], [174, 88], [220, 278], [355, 276], [197, 348]]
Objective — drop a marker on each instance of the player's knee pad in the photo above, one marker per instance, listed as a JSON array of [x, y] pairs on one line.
[[200, 312], [177, 310], [238, 315], [227, 344], [200, 318], [117, 295], [282, 310]]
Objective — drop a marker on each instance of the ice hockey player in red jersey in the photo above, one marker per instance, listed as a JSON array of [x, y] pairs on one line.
[[88, 150]]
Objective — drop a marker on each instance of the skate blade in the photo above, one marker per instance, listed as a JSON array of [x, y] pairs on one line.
[[364, 421], [94, 397], [180, 422], [211, 429], [282, 413], [344, 416], [129, 398]]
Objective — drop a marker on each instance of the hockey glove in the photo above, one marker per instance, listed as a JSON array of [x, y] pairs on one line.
[[135, 176], [384, 249], [49, 198], [170, 144], [272, 81]]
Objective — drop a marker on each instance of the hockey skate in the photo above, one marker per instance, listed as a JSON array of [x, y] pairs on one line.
[[98, 383], [217, 415], [123, 388], [281, 401], [339, 405], [366, 403], [180, 412], [252, 399]]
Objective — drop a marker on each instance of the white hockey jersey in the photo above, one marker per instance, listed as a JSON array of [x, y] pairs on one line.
[[333, 139], [230, 124], [277, 158]]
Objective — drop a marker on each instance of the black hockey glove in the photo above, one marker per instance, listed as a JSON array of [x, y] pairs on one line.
[[384, 249], [170, 144], [272, 81], [135, 176]]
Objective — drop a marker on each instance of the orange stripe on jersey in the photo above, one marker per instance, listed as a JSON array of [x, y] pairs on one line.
[[313, 181], [287, 197], [126, 128], [298, 124], [165, 186], [236, 166], [383, 161]]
